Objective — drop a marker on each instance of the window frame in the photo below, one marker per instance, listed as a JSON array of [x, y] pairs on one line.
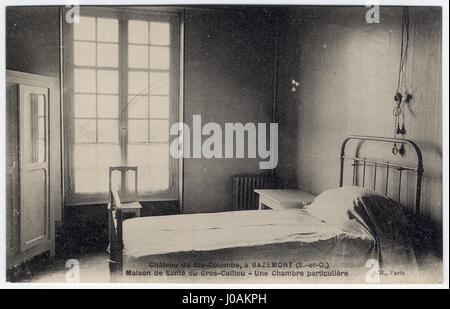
[[123, 15]]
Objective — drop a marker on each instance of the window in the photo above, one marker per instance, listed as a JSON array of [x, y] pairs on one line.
[[123, 69]]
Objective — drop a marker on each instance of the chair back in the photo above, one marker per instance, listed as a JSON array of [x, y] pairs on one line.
[[123, 192]]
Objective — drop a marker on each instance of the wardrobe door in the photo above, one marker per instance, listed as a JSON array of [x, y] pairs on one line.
[[34, 166]]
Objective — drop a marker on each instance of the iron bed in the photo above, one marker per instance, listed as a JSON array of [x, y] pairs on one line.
[[364, 162], [360, 166]]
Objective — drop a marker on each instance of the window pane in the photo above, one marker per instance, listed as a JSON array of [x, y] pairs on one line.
[[107, 155], [96, 155], [159, 107], [159, 130], [85, 181], [102, 179], [138, 56], [159, 57], [84, 53], [107, 55], [108, 30], [159, 83], [108, 106], [138, 31], [115, 180], [108, 131], [149, 155], [138, 155], [137, 82], [85, 29], [159, 180], [159, 154], [34, 139], [85, 155], [84, 131], [159, 33], [153, 179], [131, 182], [144, 178], [84, 105], [84, 80], [137, 131], [108, 81], [153, 166], [137, 107], [91, 180]]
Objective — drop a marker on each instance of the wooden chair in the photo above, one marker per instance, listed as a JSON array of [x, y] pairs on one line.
[[121, 200], [117, 207]]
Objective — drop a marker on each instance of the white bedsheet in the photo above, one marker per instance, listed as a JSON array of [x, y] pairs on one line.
[[202, 232]]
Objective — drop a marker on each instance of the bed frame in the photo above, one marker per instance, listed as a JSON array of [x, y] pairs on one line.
[[365, 163], [115, 247], [116, 215]]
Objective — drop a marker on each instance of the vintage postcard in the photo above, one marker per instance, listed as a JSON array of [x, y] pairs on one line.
[[248, 143]]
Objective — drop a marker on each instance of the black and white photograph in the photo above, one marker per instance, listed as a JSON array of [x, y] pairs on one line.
[[224, 144]]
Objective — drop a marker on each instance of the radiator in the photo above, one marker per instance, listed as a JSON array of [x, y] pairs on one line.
[[244, 186]]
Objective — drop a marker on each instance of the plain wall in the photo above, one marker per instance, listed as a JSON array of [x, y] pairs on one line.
[[347, 70], [32, 40], [228, 77]]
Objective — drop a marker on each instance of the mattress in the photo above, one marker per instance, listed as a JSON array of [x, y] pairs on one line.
[[273, 246]]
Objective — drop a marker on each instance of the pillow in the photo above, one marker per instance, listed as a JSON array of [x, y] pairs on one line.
[[382, 216], [337, 206]]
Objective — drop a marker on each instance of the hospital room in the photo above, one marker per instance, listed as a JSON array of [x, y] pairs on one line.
[[293, 144]]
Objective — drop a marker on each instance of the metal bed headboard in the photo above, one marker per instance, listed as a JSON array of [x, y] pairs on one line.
[[358, 161]]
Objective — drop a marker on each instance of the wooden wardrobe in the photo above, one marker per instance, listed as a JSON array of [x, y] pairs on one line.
[[33, 165]]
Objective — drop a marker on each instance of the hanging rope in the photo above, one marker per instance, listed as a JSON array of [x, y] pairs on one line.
[[403, 48], [399, 117]]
